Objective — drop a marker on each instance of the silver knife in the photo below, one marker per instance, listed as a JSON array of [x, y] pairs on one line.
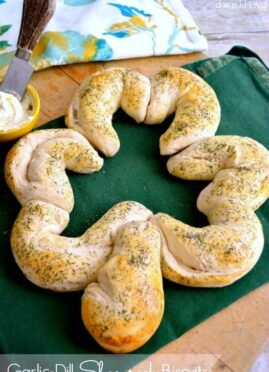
[[36, 15]]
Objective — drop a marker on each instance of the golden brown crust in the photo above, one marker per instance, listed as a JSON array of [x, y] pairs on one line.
[[172, 90], [215, 255], [125, 307], [238, 166], [219, 254], [66, 264], [99, 96], [35, 166], [196, 107]]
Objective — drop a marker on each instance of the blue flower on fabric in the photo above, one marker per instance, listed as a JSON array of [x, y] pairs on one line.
[[138, 21], [4, 43], [69, 46], [78, 2], [129, 11]]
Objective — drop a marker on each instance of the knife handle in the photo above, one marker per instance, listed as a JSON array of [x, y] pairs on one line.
[[36, 15]]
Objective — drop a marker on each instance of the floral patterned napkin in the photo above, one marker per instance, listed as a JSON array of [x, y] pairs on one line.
[[98, 30]]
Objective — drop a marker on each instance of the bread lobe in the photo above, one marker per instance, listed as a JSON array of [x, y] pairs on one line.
[[123, 309]]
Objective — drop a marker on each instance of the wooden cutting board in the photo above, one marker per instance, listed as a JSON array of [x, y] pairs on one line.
[[236, 335]]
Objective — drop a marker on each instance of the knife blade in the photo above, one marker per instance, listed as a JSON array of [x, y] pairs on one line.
[[36, 15]]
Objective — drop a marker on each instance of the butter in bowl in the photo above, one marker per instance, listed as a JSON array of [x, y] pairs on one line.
[[19, 101], [17, 118]]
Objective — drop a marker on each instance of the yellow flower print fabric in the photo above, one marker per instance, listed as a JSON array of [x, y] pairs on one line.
[[100, 30]]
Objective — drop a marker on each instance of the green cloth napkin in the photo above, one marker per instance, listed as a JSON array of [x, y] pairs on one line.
[[33, 320]]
